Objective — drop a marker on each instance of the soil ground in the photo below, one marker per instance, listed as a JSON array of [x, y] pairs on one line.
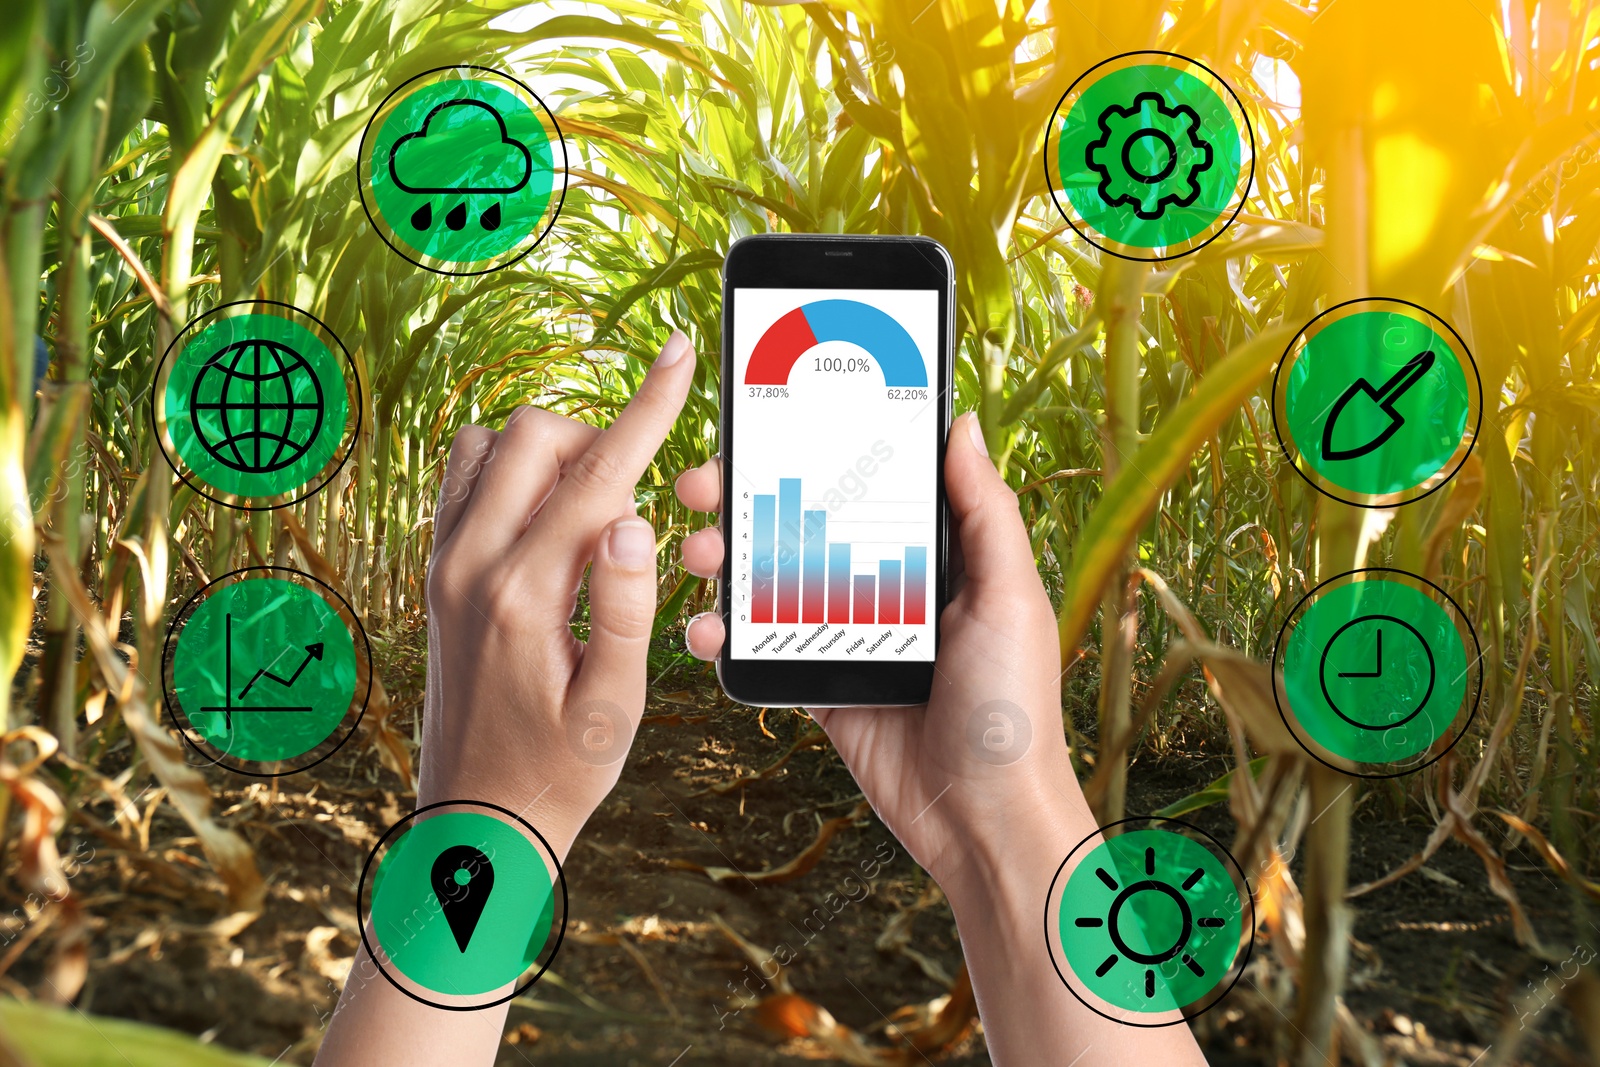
[[645, 975]]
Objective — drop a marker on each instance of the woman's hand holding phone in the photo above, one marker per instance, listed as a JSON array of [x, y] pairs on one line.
[[927, 769], [977, 783]]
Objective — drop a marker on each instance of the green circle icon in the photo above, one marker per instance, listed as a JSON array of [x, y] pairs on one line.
[[1150, 921], [1149, 155], [459, 172], [256, 404], [1375, 670], [263, 671], [1376, 402], [463, 904]]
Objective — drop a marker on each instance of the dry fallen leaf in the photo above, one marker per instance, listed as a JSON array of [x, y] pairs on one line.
[[796, 867], [919, 1030], [810, 738], [673, 719]]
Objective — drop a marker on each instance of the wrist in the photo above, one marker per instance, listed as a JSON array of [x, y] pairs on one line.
[[549, 818], [1004, 872]]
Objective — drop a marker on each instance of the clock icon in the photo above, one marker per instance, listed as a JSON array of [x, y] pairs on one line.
[[1377, 672], [1375, 669]]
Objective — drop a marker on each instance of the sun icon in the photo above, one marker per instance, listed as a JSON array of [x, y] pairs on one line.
[[1150, 921], [1186, 919]]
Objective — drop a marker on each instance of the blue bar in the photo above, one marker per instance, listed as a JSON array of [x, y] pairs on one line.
[[788, 550], [762, 570]]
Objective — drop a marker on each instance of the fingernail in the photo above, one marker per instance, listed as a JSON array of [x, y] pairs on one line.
[[633, 543], [977, 433], [676, 348]]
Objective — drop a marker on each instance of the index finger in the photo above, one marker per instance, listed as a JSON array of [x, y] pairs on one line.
[[603, 478]]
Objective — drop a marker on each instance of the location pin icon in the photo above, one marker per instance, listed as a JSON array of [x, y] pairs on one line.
[[462, 880]]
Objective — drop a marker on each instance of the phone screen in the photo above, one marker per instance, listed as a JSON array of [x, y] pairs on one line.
[[833, 516]]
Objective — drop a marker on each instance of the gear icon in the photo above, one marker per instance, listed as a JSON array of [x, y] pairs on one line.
[[1149, 156]]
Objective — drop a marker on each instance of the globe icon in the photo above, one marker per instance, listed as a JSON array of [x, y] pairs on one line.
[[256, 406]]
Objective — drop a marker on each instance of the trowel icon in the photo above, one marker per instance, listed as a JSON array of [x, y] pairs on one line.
[[1363, 410]]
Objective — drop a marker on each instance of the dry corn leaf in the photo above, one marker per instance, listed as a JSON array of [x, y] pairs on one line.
[[43, 814], [920, 1030], [1175, 608], [675, 718], [1466, 490], [616, 940], [801, 864], [1493, 865], [230, 855], [394, 750], [791, 1015], [1244, 688], [1555, 859], [1583, 1000], [321, 959], [43, 817], [779, 979], [1280, 909], [896, 936], [68, 967], [810, 738], [1456, 820], [937, 1025]]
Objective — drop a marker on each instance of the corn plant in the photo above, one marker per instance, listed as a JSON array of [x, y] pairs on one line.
[[158, 159]]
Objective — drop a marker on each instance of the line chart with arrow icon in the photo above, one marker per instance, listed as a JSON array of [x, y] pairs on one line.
[[1376, 402], [247, 687], [228, 707], [313, 651]]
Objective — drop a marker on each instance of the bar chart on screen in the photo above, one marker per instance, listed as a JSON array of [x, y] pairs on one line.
[[801, 574], [836, 578]]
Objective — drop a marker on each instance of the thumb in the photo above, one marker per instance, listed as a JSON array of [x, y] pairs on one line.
[[988, 524]]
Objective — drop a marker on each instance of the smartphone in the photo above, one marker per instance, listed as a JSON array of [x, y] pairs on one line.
[[836, 362]]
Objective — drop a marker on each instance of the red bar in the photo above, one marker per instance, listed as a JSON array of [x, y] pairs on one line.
[[864, 598]]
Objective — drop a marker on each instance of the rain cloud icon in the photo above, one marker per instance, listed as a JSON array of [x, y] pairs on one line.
[[463, 148]]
